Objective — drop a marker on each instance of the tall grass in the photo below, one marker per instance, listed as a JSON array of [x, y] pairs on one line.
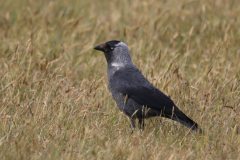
[[54, 99]]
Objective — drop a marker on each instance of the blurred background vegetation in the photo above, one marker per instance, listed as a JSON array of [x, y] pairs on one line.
[[54, 98]]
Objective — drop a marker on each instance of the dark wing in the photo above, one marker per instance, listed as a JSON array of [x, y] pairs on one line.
[[131, 82]]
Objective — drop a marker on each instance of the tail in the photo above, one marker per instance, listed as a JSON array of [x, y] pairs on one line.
[[180, 117], [188, 123]]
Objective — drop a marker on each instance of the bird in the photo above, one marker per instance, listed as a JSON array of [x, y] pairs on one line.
[[135, 96]]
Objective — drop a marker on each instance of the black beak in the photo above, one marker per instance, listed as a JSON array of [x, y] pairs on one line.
[[101, 47]]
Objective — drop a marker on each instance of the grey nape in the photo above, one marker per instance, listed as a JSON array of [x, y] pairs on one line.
[[133, 93]]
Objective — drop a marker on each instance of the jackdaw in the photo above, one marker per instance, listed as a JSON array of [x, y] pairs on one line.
[[133, 93]]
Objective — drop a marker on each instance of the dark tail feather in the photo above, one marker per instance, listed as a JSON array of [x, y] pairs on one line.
[[188, 123]]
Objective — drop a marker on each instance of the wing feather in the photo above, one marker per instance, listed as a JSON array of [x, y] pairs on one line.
[[130, 81]]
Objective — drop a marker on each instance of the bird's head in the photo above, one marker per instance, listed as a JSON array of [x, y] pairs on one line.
[[108, 46], [116, 52]]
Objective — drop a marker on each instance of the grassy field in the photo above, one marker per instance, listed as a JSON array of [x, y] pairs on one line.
[[54, 98]]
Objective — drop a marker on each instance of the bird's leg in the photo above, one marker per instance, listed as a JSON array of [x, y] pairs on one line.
[[132, 125], [141, 124]]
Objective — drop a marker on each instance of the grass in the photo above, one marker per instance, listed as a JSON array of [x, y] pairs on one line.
[[54, 99]]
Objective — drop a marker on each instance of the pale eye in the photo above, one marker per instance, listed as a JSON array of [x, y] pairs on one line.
[[112, 48]]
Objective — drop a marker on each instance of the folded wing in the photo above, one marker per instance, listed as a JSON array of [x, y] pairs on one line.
[[130, 81]]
